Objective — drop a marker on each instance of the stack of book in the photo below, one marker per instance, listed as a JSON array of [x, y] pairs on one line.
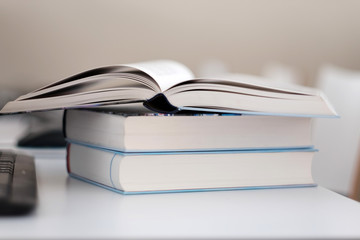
[[150, 127]]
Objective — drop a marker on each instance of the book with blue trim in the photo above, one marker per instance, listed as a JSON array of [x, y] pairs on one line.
[[159, 172], [170, 87], [201, 132]]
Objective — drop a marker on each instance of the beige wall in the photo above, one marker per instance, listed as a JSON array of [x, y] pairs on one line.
[[43, 41]]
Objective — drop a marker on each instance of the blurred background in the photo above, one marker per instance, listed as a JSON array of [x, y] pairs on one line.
[[315, 43]]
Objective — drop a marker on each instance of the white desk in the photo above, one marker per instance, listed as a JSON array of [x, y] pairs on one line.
[[69, 208]]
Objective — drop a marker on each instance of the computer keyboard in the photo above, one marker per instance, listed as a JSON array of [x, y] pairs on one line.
[[18, 191]]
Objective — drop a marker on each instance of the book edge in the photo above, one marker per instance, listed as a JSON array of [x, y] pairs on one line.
[[309, 148], [189, 190]]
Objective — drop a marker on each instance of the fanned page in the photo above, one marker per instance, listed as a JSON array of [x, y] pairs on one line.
[[243, 81], [246, 94], [121, 84], [166, 73], [157, 75]]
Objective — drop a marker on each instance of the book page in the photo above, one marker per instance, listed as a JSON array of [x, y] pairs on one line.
[[157, 75], [252, 81], [166, 73]]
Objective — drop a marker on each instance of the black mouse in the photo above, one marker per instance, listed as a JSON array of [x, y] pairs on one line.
[[50, 138]]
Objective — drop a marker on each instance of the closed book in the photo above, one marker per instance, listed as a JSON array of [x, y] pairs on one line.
[[170, 87], [146, 133], [132, 173]]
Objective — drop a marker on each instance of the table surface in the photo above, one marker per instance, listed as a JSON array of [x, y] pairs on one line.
[[70, 208]]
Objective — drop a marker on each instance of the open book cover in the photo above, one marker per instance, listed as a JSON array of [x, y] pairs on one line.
[[165, 86], [164, 172]]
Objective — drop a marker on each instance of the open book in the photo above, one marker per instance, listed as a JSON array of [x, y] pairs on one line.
[[169, 87]]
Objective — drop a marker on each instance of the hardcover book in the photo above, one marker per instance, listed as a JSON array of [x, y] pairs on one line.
[[167, 132], [169, 87], [132, 173]]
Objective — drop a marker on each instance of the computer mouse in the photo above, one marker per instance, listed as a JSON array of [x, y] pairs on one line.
[[49, 138]]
